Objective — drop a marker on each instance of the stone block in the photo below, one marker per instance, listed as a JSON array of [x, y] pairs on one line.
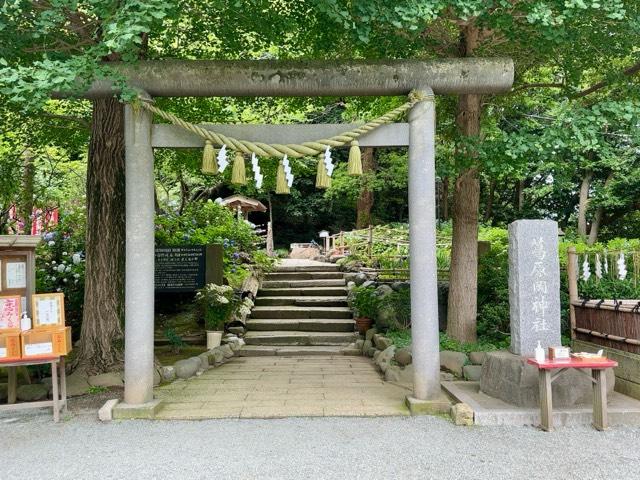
[[534, 285], [77, 384], [402, 376], [477, 358], [472, 372], [437, 406], [462, 414], [125, 411], [383, 360], [187, 368], [359, 344], [105, 414], [453, 361], [508, 377]]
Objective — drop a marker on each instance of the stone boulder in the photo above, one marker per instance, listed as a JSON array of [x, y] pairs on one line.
[[359, 344], [226, 351], [383, 291], [370, 333], [462, 414], [369, 283], [216, 357], [383, 360], [302, 253], [386, 316], [32, 393], [168, 374], [109, 379], [472, 372], [381, 342], [477, 358], [77, 384], [402, 376], [204, 360], [399, 286], [187, 368], [510, 378], [403, 356], [359, 279], [453, 361]]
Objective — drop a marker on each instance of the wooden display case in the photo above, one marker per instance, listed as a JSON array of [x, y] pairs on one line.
[[41, 343], [10, 346], [18, 266]]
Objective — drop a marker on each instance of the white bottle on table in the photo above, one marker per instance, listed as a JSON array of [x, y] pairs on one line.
[[539, 353], [25, 322]]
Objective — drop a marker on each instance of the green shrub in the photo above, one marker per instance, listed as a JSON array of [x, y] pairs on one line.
[[364, 302], [217, 303]]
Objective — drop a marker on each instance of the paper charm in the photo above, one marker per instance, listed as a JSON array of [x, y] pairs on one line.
[[622, 267], [598, 267], [327, 161], [287, 171], [606, 262], [257, 175], [222, 158], [586, 272]]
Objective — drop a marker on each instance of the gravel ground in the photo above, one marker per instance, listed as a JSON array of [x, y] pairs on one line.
[[32, 447]]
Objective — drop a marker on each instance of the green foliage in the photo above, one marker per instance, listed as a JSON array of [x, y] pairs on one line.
[[484, 345], [400, 302], [364, 302], [217, 303], [96, 390], [609, 288], [175, 341]]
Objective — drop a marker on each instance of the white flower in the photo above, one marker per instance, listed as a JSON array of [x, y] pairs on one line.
[[58, 289], [76, 275], [60, 268], [76, 258], [65, 280], [53, 262], [51, 243], [65, 253], [68, 269]]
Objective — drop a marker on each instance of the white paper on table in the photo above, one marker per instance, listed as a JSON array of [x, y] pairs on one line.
[[47, 311], [16, 275], [38, 348], [3, 352]]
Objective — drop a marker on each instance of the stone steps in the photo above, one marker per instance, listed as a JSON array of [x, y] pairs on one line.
[[337, 282], [329, 267], [280, 276], [302, 324], [302, 292], [284, 337], [280, 311], [282, 351], [308, 301]]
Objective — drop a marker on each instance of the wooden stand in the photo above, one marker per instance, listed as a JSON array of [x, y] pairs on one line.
[[58, 382], [600, 418]]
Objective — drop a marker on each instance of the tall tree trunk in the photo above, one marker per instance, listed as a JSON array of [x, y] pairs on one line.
[[583, 203], [520, 195], [444, 199], [365, 200], [598, 216], [101, 337], [26, 196], [488, 209], [463, 276]]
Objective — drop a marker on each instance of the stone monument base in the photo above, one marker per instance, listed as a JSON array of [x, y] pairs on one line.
[[508, 377]]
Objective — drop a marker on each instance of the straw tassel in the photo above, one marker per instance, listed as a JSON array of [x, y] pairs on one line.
[[238, 175], [281, 182], [355, 159], [323, 180], [209, 163]]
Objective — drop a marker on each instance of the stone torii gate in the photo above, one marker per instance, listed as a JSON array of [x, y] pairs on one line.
[[291, 78]]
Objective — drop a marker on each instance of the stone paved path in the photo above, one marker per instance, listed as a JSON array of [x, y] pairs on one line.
[[272, 387]]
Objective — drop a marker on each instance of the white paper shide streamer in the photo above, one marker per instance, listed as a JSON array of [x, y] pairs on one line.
[[586, 271], [598, 267], [327, 161], [257, 174], [287, 170], [222, 159], [622, 267]]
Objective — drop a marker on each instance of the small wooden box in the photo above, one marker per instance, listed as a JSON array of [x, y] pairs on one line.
[[51, 342], [10, 346], [559, 353]]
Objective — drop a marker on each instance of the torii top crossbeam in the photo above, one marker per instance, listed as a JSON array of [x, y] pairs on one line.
[[214, 78]]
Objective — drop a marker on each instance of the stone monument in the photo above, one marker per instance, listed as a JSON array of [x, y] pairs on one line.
[[534, 300], [534, 285]]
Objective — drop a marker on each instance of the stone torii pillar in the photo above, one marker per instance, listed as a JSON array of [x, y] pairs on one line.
[[427, 396]]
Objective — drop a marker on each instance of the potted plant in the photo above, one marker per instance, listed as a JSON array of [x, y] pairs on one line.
[[217, 304], [365, 305]]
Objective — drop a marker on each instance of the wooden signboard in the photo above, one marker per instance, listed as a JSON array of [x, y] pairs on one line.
[[10, 311], [48, 310], [18, 267]]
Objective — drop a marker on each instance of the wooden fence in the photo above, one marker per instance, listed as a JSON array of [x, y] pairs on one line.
[[610, 323]]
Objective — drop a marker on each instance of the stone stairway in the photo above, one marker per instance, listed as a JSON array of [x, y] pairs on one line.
[[301, 309]]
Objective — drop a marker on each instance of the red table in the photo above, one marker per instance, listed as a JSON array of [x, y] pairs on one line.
[[597, 377], [58, 383]]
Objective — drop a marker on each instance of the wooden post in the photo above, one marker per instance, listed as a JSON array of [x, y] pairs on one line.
[[600, 420], [572, 275], [370, 242], [546, 401]]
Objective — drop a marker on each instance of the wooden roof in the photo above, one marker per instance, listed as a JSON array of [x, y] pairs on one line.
[[245, 203], [20, 241]]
